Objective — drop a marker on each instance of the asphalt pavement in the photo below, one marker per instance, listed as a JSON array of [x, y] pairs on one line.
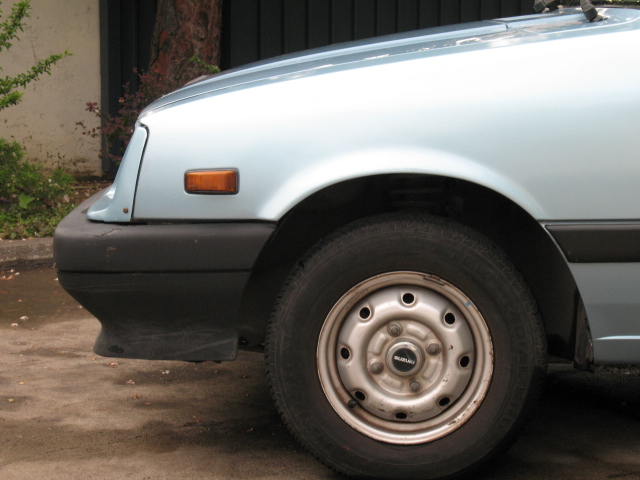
[[66, 413]]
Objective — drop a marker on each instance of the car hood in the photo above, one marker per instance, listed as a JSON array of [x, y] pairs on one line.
[[432, 41]]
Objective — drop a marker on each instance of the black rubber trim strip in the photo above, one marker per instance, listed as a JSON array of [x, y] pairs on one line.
[[598, 243], [81, 245]]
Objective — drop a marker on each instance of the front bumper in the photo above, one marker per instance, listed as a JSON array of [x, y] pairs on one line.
[[160, 291]]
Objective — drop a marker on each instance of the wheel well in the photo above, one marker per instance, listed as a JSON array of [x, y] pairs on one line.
[[523, 239]]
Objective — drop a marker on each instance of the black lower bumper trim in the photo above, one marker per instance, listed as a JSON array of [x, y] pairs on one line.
[[162, 316], [168, 291]]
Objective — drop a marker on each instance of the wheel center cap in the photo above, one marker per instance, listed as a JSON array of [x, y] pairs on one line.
[[404, 358]]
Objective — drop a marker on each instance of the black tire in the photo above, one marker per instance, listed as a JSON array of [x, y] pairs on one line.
[[359, 418]]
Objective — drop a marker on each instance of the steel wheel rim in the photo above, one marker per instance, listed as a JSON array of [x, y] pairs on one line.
[[405, 357]]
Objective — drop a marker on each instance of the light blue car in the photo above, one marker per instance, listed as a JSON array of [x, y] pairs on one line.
[[404, 223]]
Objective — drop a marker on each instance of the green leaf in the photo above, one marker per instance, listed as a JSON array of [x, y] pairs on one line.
[[25, 200]]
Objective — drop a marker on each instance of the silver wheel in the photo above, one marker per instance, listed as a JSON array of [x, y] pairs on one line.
[[405, 357]]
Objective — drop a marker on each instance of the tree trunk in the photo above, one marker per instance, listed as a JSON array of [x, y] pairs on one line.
[[185, 28]]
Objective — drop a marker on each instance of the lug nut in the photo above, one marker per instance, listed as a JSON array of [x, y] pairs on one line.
[[414, 386], [375, 367], [352, 403], [394, 329], [433, 349]]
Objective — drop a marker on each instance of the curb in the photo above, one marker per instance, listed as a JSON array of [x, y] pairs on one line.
[[30, 251]]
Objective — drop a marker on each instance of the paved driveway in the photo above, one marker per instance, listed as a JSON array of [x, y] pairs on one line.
[[66, 413]]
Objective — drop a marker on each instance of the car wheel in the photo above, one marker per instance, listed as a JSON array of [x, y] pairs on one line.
[[405, 346]]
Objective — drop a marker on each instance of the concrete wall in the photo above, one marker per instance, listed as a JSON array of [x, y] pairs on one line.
[[44, 122]]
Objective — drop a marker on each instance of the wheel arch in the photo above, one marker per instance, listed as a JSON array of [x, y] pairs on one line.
[[524, 240], [325, 172]]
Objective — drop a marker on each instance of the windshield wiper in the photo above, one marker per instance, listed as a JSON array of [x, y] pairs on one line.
[[545, 6], [590, 11]]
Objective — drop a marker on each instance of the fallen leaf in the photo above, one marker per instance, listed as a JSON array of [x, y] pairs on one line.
[[14, 324], [131, 382], [165, 372], [24, 317]]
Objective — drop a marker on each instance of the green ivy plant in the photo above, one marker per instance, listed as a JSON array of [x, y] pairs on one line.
[[9, 28], [32, 202]]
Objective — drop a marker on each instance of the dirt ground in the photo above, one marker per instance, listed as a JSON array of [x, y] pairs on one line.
[[66, 413]]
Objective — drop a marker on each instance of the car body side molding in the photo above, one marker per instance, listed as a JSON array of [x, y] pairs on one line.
[[598, 243]]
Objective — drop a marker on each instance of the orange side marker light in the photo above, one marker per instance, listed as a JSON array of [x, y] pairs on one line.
[[216, 182]]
